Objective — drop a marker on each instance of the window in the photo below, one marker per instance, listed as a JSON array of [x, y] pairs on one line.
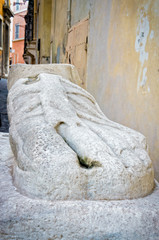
[[16, 31], [17, 6], [1, 24]]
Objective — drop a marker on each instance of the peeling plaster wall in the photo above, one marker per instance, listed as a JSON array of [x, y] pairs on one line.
[[123, 69], [122, 59], [80, 9]]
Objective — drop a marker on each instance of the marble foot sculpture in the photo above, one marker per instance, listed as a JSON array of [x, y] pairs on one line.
[[64, 147]]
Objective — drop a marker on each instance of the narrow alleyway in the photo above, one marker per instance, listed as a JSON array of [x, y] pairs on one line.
[[4, 124]]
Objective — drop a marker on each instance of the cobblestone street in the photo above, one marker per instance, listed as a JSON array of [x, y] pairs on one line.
[[4, 124]]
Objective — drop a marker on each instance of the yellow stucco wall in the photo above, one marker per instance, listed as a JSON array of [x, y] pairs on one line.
[[44, 31], [123, 70], [139, 59], [1, 7], [122, 59], [59, 30]]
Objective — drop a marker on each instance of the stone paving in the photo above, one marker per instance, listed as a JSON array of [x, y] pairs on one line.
[[4, 124], [24, 218]]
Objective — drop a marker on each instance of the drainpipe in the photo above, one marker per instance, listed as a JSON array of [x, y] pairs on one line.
[[52, 41], [69, 14], [37, 32]]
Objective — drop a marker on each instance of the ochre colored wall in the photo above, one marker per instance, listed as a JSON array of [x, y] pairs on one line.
[[123, 71], [59, 28], [1, 7], [122, 60], [44, 32]]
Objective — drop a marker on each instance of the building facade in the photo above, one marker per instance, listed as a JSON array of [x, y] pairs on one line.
[[114, 45], [20, 10], [5, 15]]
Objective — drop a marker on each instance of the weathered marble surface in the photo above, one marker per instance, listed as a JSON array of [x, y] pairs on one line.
[[20, 70], [56, 128], [25, 218]]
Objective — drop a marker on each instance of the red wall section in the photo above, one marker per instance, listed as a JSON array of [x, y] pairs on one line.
[[18, 44], [17, 56]]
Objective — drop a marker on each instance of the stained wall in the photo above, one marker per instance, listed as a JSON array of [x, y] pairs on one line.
[[123, 70], [122, 59]]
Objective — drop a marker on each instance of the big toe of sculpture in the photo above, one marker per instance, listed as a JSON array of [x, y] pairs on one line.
[[65, 148]]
